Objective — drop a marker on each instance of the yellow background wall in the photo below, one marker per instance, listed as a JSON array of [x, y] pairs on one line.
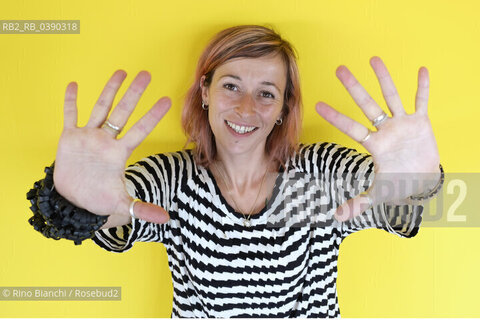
[[434, 274]]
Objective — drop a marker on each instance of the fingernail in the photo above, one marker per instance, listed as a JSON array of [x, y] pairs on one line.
[[166, 216], [339, 211], [339, 214]]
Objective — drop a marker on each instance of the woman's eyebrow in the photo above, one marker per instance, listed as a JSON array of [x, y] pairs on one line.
[[231, 76], [271, 84], [268, 83]]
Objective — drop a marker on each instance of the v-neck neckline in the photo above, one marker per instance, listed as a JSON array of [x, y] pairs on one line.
[[239, 218]]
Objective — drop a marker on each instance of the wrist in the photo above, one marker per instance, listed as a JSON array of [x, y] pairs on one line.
[[55, 217], [431, 186]]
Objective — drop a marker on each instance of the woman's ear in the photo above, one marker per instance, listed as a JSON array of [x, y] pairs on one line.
[[204, 89]]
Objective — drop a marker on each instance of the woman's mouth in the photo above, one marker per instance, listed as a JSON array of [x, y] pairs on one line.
[[240, 129]]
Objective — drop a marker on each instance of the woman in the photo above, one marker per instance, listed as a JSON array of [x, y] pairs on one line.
[[251, 220]]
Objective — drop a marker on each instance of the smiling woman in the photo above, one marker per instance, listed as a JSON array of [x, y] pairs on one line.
[[242, 115], [252, 220], [244, 104]]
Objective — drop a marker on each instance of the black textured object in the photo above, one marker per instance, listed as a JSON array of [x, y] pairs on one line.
[[434, 191], [55, 217]]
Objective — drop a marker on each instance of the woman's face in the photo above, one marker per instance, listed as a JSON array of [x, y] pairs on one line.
[[244, 99]]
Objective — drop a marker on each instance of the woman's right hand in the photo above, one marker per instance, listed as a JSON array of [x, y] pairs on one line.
[[90, 161]]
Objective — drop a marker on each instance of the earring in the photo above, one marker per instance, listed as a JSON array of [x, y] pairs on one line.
[[279, 121], [204, 106]]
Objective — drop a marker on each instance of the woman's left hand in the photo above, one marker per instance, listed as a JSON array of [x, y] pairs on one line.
[[403, 148]]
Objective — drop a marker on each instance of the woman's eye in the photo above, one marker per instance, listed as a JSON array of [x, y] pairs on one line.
[[267, 94], [230, 86]]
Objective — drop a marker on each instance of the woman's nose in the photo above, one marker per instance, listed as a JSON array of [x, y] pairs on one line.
[[246, 106]]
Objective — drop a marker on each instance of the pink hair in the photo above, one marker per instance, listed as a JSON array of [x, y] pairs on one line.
[[249, 41]]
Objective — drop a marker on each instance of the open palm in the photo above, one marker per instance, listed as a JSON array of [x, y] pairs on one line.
[[90, 161], [403, 147]]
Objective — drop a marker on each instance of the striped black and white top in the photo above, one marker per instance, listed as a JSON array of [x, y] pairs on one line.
[[285, 263]]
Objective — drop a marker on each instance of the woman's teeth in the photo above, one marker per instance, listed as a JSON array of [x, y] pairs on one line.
[[240, 129]]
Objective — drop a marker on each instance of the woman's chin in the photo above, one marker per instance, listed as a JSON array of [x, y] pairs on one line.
[[239, 147]]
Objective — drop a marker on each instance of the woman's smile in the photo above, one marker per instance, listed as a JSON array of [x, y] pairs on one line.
[[239, 129]]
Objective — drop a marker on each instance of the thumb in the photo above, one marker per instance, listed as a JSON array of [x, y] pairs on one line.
[[150, 212], [354, 207]]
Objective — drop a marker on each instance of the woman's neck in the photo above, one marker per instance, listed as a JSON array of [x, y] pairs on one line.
[[243, 171], [245, 180]]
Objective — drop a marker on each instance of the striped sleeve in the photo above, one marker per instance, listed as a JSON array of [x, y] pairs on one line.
[[349, 173], [148, 180]]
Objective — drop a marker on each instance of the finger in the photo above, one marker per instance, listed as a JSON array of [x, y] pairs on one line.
[[352, 208], [350, 127], [105, 101], [142, 128], [150, 212], [125, 107], [389, 90], [383, 189], [369, 107], [421, 98], [70, 106], [142, 210]]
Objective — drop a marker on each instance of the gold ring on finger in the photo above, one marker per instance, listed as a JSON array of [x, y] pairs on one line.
[[115, 128], [367, 136], [380, 119]]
